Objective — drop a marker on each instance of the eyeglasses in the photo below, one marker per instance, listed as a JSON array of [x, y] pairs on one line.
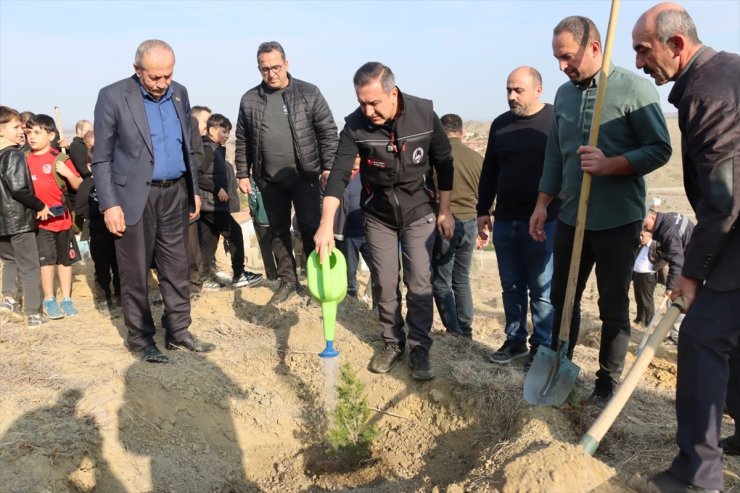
[[267, 70]]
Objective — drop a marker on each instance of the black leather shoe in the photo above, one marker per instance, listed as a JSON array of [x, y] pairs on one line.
[[152, 354], [731, 445], [191, 343], [664, 482]]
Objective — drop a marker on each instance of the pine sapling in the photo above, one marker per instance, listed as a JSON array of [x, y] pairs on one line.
[[351, 435]]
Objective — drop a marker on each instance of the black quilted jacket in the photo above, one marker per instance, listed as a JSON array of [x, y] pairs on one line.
[[314, 131]]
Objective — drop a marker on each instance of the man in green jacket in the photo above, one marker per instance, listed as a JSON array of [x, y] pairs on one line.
[[633, 141]]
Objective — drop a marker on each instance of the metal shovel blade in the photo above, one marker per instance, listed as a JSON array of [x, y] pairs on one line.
[[551, 377]]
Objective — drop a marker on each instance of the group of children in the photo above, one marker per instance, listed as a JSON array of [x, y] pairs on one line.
[[37, 204]]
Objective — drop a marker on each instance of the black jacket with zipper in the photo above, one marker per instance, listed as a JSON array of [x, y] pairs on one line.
[[311, 124], [18, 202], [396, 161]]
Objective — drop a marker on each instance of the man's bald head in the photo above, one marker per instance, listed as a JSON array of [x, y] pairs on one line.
[[664, 39], [523, 90]]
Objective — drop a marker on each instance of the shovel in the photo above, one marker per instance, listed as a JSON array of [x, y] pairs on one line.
[[593, 436], [327, 284], [651, 328], [552, 375]]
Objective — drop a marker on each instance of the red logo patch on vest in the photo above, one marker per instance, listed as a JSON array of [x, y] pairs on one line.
[[376, 163]]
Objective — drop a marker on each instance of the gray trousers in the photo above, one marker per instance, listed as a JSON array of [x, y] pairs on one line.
[[161, 235], [415, 255], [20, 254]]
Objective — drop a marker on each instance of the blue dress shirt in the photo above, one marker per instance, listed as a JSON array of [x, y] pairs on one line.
[[166, 133]]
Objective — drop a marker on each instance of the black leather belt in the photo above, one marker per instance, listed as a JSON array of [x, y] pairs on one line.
[[164, 183]]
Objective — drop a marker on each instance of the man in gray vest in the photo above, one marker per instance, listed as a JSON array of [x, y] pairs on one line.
[[399, 138]]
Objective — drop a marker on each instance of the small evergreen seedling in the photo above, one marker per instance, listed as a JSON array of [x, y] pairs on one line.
[[351, 435]]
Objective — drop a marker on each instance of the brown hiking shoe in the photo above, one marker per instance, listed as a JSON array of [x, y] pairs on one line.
[[383, 361]]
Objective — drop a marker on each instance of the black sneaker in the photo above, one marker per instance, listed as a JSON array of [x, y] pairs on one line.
[[530, 358], [246, 279], [35, 320], [509, 352], [731, 445], [11, 308], [284, 291], [383, 361], [601, 396], [421, 369]]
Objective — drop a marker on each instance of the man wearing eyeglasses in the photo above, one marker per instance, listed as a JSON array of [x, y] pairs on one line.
[[285, 139], [399, 138]]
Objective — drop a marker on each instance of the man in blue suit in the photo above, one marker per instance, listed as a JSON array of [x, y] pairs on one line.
[[146, 178]]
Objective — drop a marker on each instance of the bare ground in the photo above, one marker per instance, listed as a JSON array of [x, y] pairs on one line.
[[79, 414]]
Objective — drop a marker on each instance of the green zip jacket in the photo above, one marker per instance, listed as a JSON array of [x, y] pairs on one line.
[[632, 126]]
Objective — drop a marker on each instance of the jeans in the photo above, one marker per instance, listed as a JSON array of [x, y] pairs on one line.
[[451, 282], [352, 247], [525, 264]]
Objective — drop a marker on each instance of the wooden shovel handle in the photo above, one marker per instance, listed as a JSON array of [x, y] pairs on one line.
[[593, 137], [602, 424], [58, 121]]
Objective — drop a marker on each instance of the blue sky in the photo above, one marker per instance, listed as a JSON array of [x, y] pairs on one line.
[[456, 53]]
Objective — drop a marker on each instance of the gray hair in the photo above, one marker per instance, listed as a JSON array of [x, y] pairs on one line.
[[372, 71], [82, 124], [148, 46], [582, 28], [269, 46], [668, 23]]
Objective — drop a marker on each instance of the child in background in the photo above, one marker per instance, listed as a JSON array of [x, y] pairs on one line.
[[349, 228], [218, 200], [102, 247], [19, 208], [52, 173]]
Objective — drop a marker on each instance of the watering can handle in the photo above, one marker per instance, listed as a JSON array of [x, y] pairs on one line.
[[325, 273]]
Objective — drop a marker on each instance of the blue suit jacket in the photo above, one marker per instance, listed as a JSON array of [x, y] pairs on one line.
[[123, 159]]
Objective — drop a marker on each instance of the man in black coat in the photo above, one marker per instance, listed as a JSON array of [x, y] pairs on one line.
[[707, 95]]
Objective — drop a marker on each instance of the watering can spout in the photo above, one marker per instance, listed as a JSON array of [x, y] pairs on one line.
[[329, 351], [327, 284]]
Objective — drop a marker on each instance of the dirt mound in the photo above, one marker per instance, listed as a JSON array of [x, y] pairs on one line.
[[557, 468]]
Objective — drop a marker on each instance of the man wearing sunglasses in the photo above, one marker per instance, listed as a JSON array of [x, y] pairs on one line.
[[285, 139]]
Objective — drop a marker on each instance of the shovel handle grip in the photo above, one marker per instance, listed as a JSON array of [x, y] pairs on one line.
[[614, 407]]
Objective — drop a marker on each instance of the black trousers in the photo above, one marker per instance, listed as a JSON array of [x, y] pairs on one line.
[[302, 192], [264, 238], [103, 253], [644, 285], [211, 226], [708, 377], [194, 258], [612, 251], [160, 236]]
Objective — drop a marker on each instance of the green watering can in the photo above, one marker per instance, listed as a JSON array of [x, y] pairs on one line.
[[327, 284]]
